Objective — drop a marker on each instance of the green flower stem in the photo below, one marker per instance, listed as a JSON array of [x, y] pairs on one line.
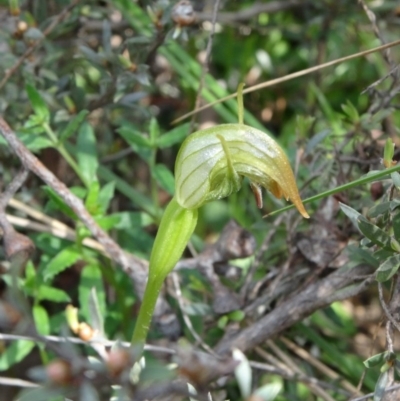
[[364, 180], [176, 228], [143, 321], [64, 153]]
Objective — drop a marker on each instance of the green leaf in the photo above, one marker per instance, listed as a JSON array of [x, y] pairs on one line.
[[388, 268], [14, 353], [57, 202], [388, 153], [380, 387], [351, 213], [106, 194], [91, 201], [374, 233], [396, 179], [222, 322], [38, 104], [92, 279], [164, 178], [362, 255], [108, 222], [350, 111], [134, 137], [96, 316], [131, 193], [395, 245], [73, 125], [41, 319], [36, 141], [67, 257], [396, 226], [379, 209], [243, 373], [316, 140], [48, 293], [154, 131], [268, 392], [236, 315], [376, 360], [86, 153], [177, 135], [125, 220]]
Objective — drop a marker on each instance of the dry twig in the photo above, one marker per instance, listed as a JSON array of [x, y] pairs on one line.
[[338, 286]]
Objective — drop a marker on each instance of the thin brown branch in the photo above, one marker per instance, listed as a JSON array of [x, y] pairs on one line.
[[324, 369], [186, 319], [75, 340], [17, 247], [56, 21], [372, 18], [315, 388], [386, 309], [9, 381]]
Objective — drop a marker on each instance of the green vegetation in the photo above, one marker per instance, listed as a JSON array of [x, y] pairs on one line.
[[262, 304]]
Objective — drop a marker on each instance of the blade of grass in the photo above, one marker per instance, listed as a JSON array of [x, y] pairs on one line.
[[344, 187]]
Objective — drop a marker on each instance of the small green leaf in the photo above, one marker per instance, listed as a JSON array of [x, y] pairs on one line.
[[362, 255], [379, 209], [57, 202], [316, 140], [243, 373], [36, 141], [137, 198], [236, 315], [395, 245], [376, 360], [388, 268], [86, 153], [222, 322], [374, 233], [92, 280], [65, 258], [49, 293], [91, 201], [396, 226], [351, 111], [154, 131], [106, 194], [165, 178], [394, 204], [134, 137], [396, 179], [269, 391], [73, 125], [41, 319], [38, 104], [388, 153], [177, 135], [14, 353], [380, 386], [351, 213], [96, 316]]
